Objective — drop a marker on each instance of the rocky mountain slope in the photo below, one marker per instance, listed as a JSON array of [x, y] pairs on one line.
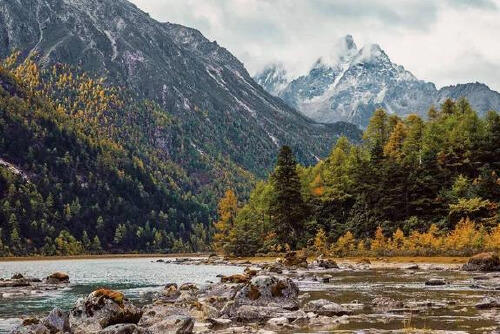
[[222, 111], [354, 82]]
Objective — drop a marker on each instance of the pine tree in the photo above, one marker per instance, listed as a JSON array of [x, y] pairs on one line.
[[287, 206], [96, 245], [120, 232], [377, 133], [86, 241]]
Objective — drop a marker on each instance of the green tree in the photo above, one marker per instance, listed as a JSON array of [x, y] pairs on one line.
[[86, 241], [66, 244], [96, 245], [287, 207]]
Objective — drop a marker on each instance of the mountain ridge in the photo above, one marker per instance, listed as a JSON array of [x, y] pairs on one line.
[[357, 82], [223, 111]]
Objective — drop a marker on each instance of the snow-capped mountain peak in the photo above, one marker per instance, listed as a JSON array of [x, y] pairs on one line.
[[371, 53], [349, 84], [273, 78], [343, 50]]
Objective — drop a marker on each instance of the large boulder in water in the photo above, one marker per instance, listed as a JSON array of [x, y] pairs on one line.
[[100, 309], [483, 262], [262, 298], [57, 278]]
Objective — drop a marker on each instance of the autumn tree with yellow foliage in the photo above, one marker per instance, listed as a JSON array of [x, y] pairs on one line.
[[227, 210]]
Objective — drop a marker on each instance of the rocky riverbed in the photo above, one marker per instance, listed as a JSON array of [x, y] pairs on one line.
[[293, 294], [20, 286]]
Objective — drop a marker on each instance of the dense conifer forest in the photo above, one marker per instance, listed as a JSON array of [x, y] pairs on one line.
[[413, 187]]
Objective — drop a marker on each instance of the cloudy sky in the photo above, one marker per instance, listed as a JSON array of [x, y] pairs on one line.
[[443, 41]]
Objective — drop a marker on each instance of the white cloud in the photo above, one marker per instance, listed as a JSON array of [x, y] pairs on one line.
[[441, 41]]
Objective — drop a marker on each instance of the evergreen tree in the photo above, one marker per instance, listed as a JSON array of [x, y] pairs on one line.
[[287, 207], [96, 245], [86, 241]]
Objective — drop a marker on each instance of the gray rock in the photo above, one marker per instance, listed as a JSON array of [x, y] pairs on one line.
[[57, 278], [178, 324], [155, 313], [327, 264], [483, 262], [412, 267], [488, 303], [124, 329], [264, 297], [280, 322], [57, 321], [218, 323], [326, 278], [435, 282], [33, 326], [326, 308], [98, 311]]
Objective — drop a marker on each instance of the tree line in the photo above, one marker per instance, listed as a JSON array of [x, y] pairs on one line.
[[411, 180]]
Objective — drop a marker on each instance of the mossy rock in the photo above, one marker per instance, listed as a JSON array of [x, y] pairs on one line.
[[115, 296]]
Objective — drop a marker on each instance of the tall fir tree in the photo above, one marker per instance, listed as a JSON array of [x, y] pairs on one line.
[[287, 206]]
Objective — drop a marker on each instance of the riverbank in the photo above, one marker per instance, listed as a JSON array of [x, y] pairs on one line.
[[96, 256], [395, 259], [268, 295]]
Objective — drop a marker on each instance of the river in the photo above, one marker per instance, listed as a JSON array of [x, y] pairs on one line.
[[450, 307], [137, 278]]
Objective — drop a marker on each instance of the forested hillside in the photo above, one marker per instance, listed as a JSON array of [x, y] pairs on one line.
[[414, 186], [83, 168], [222, 113]]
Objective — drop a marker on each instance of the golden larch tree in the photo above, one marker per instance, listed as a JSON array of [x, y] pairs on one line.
[[227, 209]]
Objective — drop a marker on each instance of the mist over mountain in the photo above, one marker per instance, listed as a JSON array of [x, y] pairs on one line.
[[350, 83]]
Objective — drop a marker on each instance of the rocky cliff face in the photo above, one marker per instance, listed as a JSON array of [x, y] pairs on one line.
[[480, 96], [221, 108], [353, 83]]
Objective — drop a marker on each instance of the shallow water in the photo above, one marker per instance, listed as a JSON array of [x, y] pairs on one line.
[[137, 278], [453, 304]]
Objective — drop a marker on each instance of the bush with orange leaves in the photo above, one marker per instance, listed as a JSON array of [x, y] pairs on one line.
[[465, 239]]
